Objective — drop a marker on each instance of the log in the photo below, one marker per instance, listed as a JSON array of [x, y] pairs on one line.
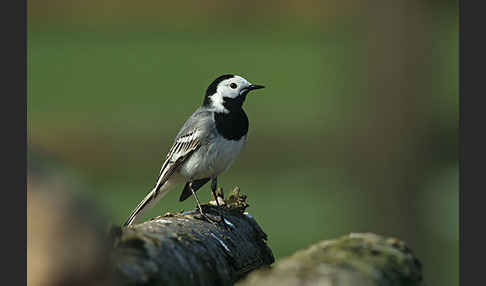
[[364, 259], [67, 245], [184, 249]]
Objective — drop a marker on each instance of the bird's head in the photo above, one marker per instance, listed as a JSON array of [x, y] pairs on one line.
[[228, 92]]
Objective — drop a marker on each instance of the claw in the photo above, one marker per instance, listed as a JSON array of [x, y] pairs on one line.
[[207, 218]]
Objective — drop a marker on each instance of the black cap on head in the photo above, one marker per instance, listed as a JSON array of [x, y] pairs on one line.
[[213, 86]]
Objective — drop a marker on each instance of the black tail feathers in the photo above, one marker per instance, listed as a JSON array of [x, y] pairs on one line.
[[196, 185]]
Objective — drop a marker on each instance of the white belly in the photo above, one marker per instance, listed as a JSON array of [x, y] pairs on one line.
[[212, 160]]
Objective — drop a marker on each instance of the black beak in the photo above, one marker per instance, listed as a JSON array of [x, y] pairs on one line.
[[255, 86], [246, 90]]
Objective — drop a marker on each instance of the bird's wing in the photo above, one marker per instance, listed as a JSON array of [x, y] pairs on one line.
[[180, 151], [195, 131], [182, 148]]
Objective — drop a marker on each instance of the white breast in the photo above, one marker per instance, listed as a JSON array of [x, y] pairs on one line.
[[213, 159]]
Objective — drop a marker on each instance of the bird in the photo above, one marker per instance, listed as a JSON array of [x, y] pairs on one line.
[[207, 144]]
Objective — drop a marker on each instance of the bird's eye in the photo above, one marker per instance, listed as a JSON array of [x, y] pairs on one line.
[[233, 85]]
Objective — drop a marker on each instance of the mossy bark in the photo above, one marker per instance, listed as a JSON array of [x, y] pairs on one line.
[[184, 249], [357, 259]]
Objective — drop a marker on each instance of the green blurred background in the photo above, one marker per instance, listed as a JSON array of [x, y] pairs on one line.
[[357, 130]]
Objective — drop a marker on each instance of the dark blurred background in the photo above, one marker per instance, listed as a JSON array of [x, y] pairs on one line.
[[357, 130]]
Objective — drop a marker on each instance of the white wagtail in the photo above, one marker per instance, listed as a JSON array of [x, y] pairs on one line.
[[206, 145]]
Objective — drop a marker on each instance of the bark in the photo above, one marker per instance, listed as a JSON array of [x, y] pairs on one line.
[[363, 259], [185, 249]]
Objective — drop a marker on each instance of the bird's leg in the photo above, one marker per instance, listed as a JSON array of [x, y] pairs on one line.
[[195, 197], [214, 186], [199, 205]]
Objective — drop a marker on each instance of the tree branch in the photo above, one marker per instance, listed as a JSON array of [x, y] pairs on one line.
[[364, 259], [185, 249]]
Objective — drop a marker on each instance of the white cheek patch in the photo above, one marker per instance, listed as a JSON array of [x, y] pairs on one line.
[[225, 91], [228, 92], [217, 103]]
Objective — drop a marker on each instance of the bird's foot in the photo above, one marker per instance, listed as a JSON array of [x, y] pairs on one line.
[[221, 220], [212, 219], [206, 217]]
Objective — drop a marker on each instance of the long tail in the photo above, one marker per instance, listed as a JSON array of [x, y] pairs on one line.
[[150, 199]]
